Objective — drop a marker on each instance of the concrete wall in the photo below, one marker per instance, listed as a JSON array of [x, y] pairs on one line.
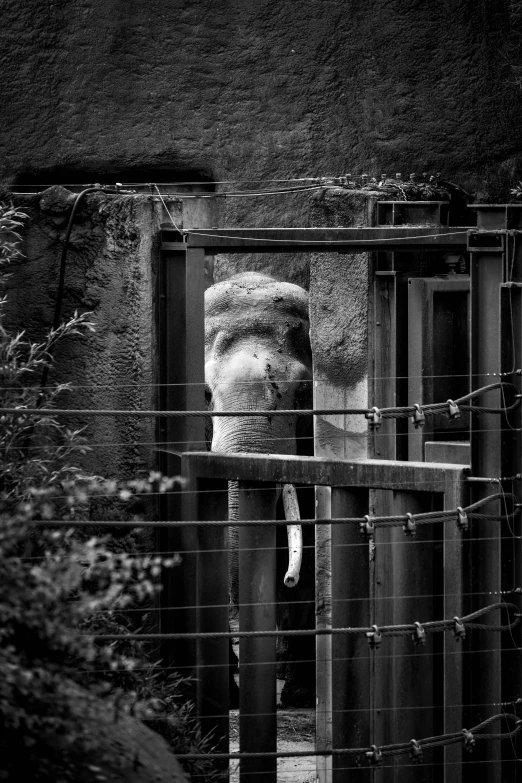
[[111, 271], [340, 298], [242, 90], [201, 90]]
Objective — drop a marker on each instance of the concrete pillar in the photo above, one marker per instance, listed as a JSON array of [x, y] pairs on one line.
[[340, 291]]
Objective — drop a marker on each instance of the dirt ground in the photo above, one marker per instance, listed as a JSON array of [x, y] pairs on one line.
[[295, 732]]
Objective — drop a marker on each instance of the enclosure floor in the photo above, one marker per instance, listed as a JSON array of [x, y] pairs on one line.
[[295, 731]]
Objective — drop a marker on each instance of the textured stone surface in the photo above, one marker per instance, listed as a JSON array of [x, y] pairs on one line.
[[256, 91], [339, 307], [111, 271]]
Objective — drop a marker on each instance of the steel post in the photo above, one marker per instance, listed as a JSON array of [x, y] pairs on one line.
[[257, 612], [484, 579], [323, 644], [350, 558], [213, 607], [181, 333], [454, 554], [390, 361], [511, 363], [407, 699]]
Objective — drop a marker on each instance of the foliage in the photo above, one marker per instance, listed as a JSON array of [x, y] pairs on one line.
[[11, 221], [516, 192], [59, 588], [424, 189]]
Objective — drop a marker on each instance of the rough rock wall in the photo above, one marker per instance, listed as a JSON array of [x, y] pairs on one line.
[[340, 291], [246, 90], [111, 271], [177, 89]]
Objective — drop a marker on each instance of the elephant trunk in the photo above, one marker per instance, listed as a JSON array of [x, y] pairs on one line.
[[258, 436], [294, 532], [233, 542]]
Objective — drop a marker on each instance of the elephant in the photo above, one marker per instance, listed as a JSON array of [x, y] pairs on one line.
[[258, 356]]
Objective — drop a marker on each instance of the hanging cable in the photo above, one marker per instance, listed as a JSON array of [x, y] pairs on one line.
[[63, 262]]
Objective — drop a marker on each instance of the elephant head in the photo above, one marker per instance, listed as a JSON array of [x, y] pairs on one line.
[[258, 357]]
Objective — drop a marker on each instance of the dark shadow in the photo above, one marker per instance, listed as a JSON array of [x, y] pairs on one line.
[[109, 174]]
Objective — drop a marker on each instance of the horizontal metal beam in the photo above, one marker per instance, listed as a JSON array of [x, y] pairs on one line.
[[340, 240], [382, 474]]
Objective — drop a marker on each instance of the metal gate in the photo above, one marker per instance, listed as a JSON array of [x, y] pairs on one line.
[[412, 663]]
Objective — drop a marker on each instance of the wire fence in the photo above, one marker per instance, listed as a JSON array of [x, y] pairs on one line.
[[372, 755], [375, 415], [465, 519]]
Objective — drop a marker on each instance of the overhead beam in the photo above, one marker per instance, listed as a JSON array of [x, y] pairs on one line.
[[340, 240]]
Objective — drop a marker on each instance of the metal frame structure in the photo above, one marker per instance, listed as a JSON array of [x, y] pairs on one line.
[[484, 674], [360, 684]]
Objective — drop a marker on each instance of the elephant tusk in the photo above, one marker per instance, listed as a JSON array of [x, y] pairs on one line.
[[295, 535]]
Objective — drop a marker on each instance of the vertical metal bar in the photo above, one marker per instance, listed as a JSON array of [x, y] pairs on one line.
[[323, 592], [257, 612], [453, 555], [183, 304], [484, 669], [501, 271], [511, 360], [405, 676], [420, 368], [390, 362], [385, 357], [194, 339], [350, 656], [182, 313], [212, 601]]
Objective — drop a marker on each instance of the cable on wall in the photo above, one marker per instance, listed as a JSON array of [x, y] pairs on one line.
[[63, 262]]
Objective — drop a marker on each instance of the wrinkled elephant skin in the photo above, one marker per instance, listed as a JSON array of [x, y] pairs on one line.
[[257, 357]]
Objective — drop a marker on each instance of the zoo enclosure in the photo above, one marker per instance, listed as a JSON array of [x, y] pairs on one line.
[[445, 573]]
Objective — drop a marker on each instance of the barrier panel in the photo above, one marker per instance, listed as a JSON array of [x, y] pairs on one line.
[[380, 693]]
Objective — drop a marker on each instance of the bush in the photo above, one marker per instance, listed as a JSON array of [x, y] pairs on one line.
[[59, 587]]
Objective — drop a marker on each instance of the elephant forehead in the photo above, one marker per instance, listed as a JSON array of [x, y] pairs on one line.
[[251, 291], [286, 337], [255, 363]]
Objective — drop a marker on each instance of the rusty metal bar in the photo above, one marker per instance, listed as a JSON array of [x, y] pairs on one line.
[[257, 612], [384, 474], [347, 240]]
